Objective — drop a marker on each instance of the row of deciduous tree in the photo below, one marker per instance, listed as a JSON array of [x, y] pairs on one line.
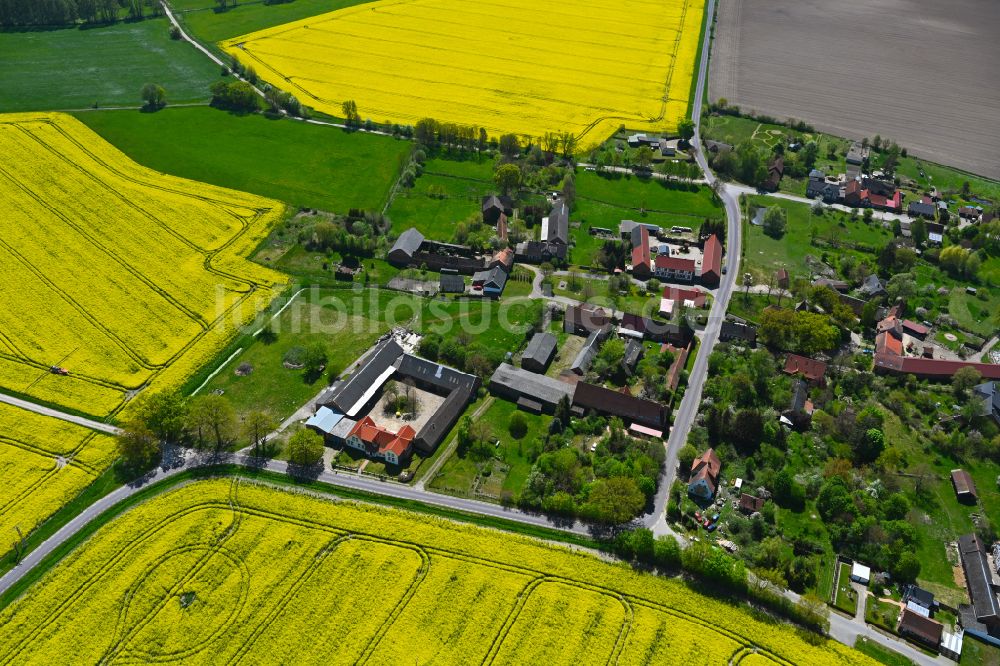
[[207, 422], [63, 12]]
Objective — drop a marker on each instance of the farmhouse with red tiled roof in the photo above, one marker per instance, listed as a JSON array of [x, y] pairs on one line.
[[378, 442]]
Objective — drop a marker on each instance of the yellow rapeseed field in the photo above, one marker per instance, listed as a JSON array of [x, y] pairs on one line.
[[517, 66], [44, 463], [229, 571], [120, 274]]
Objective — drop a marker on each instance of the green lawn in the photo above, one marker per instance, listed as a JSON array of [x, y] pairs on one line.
[[879, 653], [305, 165], [750, 306], [635, 193], [975, 313], [595, 291], [846, 599], [882, 614], [464, 183], [347, 329], [975, 653], [209, 25], [75, 68], [764, 254], [459, 472]]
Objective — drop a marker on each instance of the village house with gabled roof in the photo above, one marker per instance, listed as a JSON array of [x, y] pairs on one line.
[[809, 368], [704, 479], [377, 442]]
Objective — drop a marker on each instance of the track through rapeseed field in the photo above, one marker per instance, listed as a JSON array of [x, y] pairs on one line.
[[517, 66], [229, 571], [124, 276], [44, 462]]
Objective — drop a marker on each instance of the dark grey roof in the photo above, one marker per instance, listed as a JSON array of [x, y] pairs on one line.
[[590, 348], [452, 283], [352, 389], [546, 390], [872, 285], [408, 242], [732, 330], [920, 208], [800, 393], [492, 201], [616, 403], [444, 417], [920, 596], [633, 352], [540, 349], [493, 278], [558, 227], [977, 577], [435, 374]]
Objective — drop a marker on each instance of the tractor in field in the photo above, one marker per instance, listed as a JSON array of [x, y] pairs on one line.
[[58, 370]]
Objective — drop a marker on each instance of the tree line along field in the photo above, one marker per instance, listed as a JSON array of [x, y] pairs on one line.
[[553, 69], [45, 463], [117, 273], [76, 68], [305, 165], [229, 570]]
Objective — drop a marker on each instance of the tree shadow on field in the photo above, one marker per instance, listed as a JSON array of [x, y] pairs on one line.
[[304, 472]]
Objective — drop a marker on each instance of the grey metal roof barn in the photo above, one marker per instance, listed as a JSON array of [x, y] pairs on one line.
[[513, 384], [351, 395], [539, 353], [586, 356], [407, 245]]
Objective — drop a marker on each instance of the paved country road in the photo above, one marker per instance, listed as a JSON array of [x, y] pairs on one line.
[[192, 460], [46, 411], [687, 410]]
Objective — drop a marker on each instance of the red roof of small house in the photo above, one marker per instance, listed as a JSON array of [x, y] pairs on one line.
[[710, 461], [505, 257], [674, 263], [750, 503], [809, 368], [886, 343], [891, 324], [781, 274], [927, 200], [712, 258], [918, 329], [706, 467], [936, 368], [696, 296], [370, 433], [640, 256]]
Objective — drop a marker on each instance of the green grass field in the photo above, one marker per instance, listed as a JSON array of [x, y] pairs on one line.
[[346, 330], [459, 472], [306, 165], [75, 68], [210, 25], [765, 254], [879, 653], [464, 183], [846, 599]]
